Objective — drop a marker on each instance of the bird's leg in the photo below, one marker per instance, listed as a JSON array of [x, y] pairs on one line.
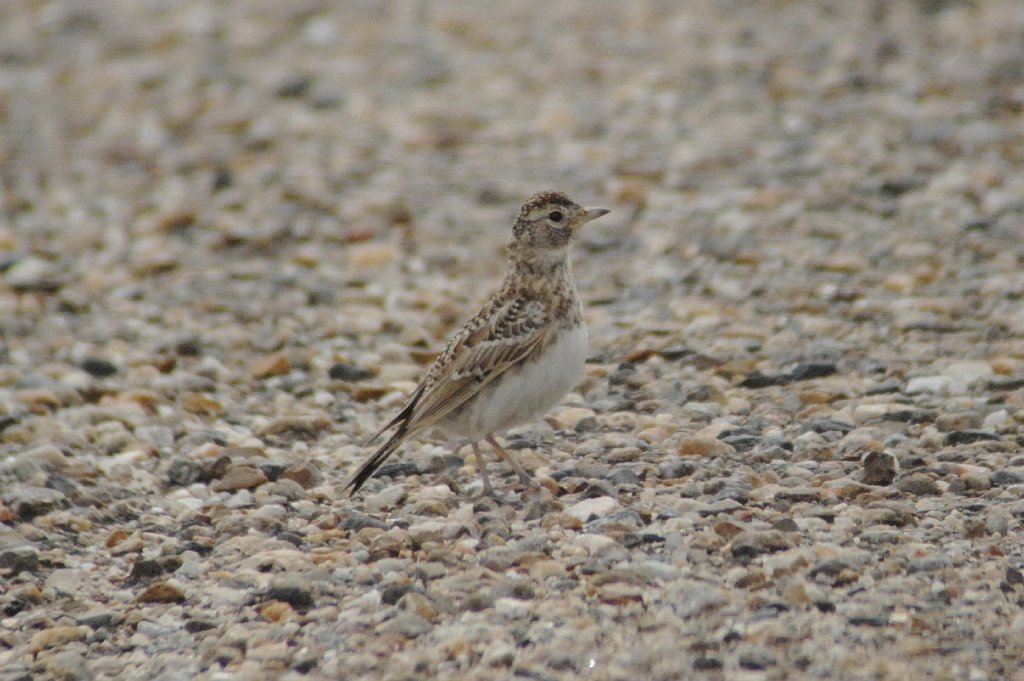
[[488, 490], [524, 477]]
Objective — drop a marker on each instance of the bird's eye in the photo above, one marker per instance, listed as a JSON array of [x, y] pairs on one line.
[[555, 216]]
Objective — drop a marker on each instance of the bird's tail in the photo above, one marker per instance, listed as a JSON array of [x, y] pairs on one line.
[[371, 465]]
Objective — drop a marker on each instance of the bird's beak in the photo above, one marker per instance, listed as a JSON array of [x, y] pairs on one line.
[[593, 214]]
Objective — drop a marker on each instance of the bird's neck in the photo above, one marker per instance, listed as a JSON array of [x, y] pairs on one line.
[[545, 278], [545, 270]]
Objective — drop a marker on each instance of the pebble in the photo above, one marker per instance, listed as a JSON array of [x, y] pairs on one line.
[[880, 468], [589, 509], [242, 476]]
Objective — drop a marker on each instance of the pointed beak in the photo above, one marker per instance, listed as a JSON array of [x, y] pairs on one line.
[[594, 213]]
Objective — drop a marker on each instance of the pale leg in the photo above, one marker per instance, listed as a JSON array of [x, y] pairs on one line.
[[524, 477], [488, 490]]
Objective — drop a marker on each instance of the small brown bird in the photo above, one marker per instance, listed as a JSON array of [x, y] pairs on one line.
[[517, 356]]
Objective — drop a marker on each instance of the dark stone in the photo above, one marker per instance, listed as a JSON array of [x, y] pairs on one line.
[[222, 178], [356, 521], [100, 368], [394, 592], [742, 443], [676, 352], [1014, 576], [880, 468], [19, 559], [183, 472], [588, 424], [399, 469], [189, 347], [292, 589], [196, 626], [966, 437], [707, 664], [677, 468], [29, 502], [756, 658], [349, 372], [96, 618], [6, 422], [756, 379], [749, 544], [919, 485], [60, 483], [624, 371], [824, 426], [624, 476], [870, 620], [809, 370], [295, 85], [145, 569], [271, 469], [1005, 478], [786, 525], [1006, 384]]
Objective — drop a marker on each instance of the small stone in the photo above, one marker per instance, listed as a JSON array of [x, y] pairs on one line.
[[748, 544], [419, 604], [294, 590], [304, 474], [570, 417], [799, 494], [407, 624], [928, 384], [98, 367], [19, 559], [184, 472], [966, 437], [588, 509], [968, 372], [56, 636], [200, 404], [273, 364], [704, 446], [96, 618], [64, 582], [676, 468], [995, 420], [756, 658], [33, 274], [162, 592], [880, 468], [373, 255], [242, 476], [919, 485], [29, 502], [349, 373]]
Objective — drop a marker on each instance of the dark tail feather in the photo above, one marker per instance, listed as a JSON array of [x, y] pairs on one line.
[[367, 470]]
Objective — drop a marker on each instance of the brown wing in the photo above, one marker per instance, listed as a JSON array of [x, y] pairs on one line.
[[497, 339]]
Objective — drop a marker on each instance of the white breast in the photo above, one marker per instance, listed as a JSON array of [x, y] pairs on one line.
[[523, 395]]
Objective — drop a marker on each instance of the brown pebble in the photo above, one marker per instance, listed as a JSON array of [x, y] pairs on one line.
[[704, 446], [200, 404], [274, 364], [880, 468], [304, 474], [239, 477], [56, 636], [162, 592]]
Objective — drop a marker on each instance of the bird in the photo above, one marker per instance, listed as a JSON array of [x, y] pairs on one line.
[[513, 360]]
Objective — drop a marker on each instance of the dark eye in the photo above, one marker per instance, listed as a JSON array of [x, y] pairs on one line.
[[555, 216]]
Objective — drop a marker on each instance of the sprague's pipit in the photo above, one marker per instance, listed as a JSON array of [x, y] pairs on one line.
[[517, 357]]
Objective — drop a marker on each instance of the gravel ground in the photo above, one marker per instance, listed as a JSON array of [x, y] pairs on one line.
[[234, 234]]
